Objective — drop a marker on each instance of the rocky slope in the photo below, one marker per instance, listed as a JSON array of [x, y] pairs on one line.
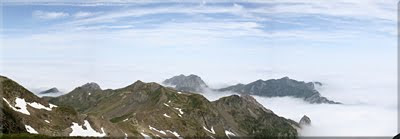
[[23, 112], [280, 88], [192, 83]]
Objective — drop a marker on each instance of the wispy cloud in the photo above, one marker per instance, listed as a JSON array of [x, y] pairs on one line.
[[49, 15]]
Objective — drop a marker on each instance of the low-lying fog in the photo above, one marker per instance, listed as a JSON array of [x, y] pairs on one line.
[[369, 109]]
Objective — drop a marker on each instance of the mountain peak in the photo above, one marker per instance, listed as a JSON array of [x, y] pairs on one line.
[[305, 120], [91, 86], [50, 91], [285, 78], [191, 83], [142, 85]]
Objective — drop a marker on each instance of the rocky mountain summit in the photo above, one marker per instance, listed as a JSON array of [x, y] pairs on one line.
[[305, 121], [138, 110], [90, 86], [280, 88], [191, 83], [50, 91]]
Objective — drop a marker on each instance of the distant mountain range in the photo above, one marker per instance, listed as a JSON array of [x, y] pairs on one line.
[[138, 110], [268, 88]]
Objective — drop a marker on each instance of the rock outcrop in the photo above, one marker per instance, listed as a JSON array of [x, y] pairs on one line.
[[305, 121], [192, 83]]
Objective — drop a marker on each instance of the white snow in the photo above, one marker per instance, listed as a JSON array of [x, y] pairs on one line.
[[47, 121], [126, 120], [144, 135], [166, 104], [52, 106], [211, 131], [179, 92], [180, 110], [160, 131], [167, 115], [126, 135], [227, 133], [175, 134], [30, 129], [89, 94], [169, 101], [78, 130], [21, 104], [39, 106]]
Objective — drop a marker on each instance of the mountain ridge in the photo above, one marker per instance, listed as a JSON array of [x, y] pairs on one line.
[[280, 88], [193, 112]]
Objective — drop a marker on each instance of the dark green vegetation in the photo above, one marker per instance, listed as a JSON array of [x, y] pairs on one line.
[[280, 88], [145, 108]]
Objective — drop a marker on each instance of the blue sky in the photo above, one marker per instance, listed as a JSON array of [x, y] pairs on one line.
[[65, 44]]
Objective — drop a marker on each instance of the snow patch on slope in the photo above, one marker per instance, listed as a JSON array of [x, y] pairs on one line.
[[175, 134], [211, 131], [160, 131], [145, 135], [78, 130], [29, 129], [166, 104], [229, 133], [20, 105], [165, 115], [179, 109]]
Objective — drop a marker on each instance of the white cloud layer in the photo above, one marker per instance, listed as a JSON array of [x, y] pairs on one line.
[[49, 15]]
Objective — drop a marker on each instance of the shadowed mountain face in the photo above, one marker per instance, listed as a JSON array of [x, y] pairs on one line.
[[280, 88], [191, 83]]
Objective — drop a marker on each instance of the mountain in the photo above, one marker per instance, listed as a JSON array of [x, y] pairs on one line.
[[79, 94], [25, 113], [280, 88], [50, 91], [149, 109], [138, 110], [305, 121], [191, 83]]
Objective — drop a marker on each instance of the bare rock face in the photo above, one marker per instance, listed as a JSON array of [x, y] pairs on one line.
[[192, 83], [305, 121]]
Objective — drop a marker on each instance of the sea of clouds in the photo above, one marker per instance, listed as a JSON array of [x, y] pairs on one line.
[[369, 109]]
